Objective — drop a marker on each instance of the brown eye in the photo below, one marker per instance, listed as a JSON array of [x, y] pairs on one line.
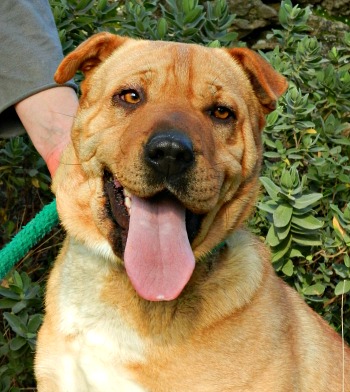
[[130, 96], [222, 113]]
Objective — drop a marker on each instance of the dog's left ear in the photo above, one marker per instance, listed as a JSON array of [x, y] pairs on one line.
[[88, 55], [267, 83]]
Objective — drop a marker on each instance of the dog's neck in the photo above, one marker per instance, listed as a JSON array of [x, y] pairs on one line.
[[180, 317]]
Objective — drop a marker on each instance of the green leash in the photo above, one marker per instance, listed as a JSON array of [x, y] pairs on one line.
[[28, 237], [33, 232]]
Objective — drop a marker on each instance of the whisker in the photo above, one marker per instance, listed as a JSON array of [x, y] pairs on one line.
[[70, 164]]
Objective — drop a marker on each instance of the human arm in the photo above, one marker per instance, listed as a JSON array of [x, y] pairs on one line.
[[30, 52]]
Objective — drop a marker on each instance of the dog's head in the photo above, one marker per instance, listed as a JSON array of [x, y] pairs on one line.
[[165, 155]]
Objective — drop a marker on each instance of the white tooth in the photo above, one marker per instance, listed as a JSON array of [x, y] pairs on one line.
[[126, 193], [127, 202]]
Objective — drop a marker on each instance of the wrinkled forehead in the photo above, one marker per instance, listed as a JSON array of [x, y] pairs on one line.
[[177, 63]]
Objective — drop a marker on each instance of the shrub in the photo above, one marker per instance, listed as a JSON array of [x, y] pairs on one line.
[[306, 221], [23, 300], [304, 210], [185, 20]]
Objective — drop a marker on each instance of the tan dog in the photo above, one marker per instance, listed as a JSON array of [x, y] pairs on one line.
[[157, 288]]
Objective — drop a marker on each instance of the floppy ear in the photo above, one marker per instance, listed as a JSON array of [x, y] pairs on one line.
[[267, 83], [88, 55]]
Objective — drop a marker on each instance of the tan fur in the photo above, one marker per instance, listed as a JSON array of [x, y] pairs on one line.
[[236, 326]]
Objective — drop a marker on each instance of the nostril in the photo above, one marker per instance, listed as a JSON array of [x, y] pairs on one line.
[[156, 153], [185, 156], [169, 153]]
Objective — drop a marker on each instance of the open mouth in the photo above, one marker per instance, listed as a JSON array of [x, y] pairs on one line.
[[154, 236], [120, 202]]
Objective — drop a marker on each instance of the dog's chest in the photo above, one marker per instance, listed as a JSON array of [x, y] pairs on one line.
[[102, 343], [96, 359], [94, 363]]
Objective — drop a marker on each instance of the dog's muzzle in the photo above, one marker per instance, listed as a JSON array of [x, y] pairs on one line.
[[154, 234]]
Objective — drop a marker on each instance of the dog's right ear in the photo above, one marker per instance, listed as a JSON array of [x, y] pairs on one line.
[[88, 55]]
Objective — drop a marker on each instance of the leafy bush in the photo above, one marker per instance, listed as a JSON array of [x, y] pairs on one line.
[[304, 212], [290, 215], [185, 20], [306, 222], [22, 175], [23, 300]]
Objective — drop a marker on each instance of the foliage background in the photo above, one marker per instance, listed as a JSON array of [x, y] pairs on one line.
[[304, 209]]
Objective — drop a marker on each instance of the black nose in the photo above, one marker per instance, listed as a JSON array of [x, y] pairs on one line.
[[169, 152]]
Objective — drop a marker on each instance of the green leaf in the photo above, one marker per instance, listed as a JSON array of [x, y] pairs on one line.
[[214, 44], [101, 5], [17, 343], [34, 323], [272, 154], [26, 281], [230, 37], [189, 32], [306, 240], [308, 222], [347, 260], [282, 215], [281, 249], [270, 206], [344, 141], [32, 292], [287, 180], [188, 5], [16, 324], [288, 268], [283, 232], [295, 253], [162, 28], [272, 189], [342, 287], [272, 238], [315, 289], [307, 200], [15, 289], [341, 270], [83, 6], [19, 306], [276, 256], [17, 280], [272, 118], [194, 14], [7, 293], [7, 303]]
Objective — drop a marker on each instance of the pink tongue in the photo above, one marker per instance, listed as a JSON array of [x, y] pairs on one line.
[[158, 257]]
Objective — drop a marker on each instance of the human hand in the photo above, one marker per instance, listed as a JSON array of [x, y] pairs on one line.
[[48, 118]]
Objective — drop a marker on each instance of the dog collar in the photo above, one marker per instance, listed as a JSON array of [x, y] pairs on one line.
[[217, 248]]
